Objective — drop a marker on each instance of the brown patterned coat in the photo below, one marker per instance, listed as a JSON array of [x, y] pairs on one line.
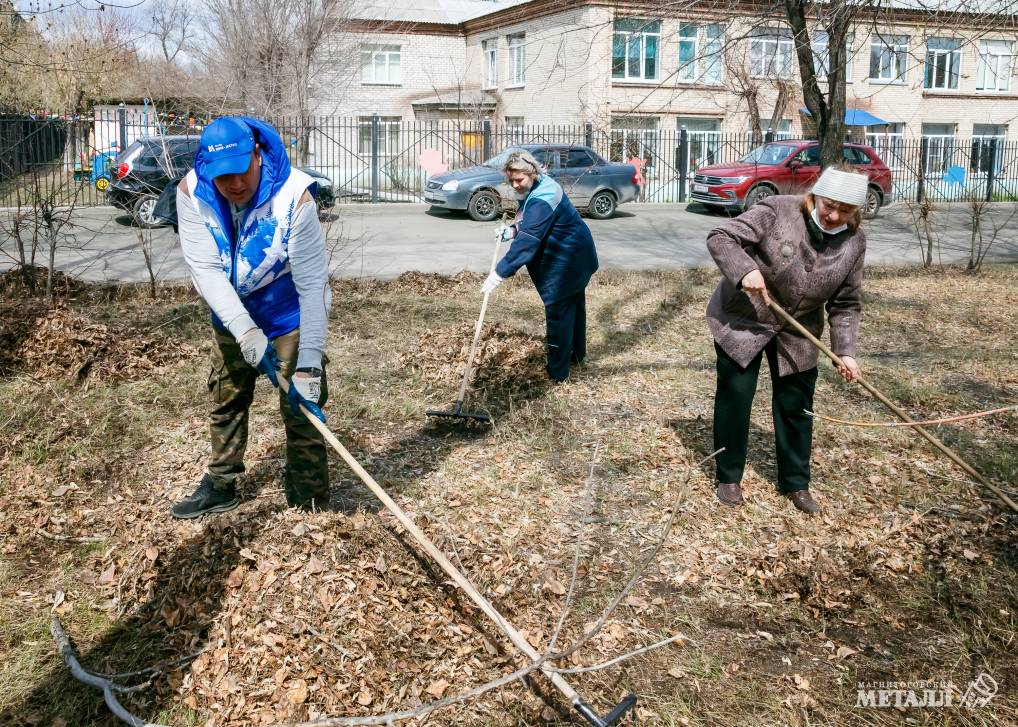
[[774, 237]]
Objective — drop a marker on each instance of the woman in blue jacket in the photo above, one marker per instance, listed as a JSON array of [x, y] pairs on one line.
[[549, 237]]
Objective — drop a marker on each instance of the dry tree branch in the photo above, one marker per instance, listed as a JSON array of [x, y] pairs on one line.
[[576, 557], [72, 538], [944, 420], [66, 651], [638, 572], [623, 657]]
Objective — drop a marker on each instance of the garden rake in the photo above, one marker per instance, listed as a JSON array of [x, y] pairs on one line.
[[586, 711], [457, 408], [898, 411]]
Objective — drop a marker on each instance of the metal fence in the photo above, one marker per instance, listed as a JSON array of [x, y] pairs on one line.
[[383, 159]]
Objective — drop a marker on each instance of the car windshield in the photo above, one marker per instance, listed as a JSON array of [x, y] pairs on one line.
[[769, 154], [498, 161]]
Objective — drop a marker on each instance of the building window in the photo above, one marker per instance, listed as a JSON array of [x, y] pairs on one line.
[[704, 137], [887, 141], [987, 147], [943, 63], [820, 42], [770, 53], [888, 56], [700, 58], [783, 130], [489, 63], [634, 137], [994, 72], [388, 135], [514, 129], [517, 59], [380, 64], [939, 147], [635, 45]]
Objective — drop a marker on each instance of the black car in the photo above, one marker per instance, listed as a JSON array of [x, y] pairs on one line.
[[154, 163], [164, 211], [143, 169]]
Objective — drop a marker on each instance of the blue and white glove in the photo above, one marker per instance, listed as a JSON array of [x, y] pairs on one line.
[[491, 282], [505, 232], [259, 353], [306, 389]]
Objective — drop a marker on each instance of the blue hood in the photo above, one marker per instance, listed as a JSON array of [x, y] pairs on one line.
[[275, 172]]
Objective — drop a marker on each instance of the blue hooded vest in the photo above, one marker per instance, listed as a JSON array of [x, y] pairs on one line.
[[255, 257]]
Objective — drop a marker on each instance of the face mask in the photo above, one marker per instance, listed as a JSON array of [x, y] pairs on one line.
[[834, 231]]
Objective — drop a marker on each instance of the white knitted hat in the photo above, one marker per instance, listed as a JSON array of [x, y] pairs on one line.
[[846, 187]]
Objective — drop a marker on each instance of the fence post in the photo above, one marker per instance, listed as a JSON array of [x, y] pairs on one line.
[[924, 150], [374, 157], [769, 136], [992, 171], [122, 125], [683, 164], [486, 140], [588, 135]]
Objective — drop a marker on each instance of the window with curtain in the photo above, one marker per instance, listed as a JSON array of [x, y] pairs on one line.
[[994, 71], [943, 63], [770, 53], [381, 64], [888, 57], [635, 49], [700, 58], [517, 59]]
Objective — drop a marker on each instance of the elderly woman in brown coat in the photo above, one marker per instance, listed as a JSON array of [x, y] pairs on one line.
[[806, 254]]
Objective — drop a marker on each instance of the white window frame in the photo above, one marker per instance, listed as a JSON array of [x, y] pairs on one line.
[[643, 132], [981, 142], [889, 145], [707, 66], [994, 70], [391, 57], [489, 63], [770, 52], [389, 130], [641, 36], [951, 60], [517, 60], [822, 57], [896, 48], [704, 144], [939, 150]]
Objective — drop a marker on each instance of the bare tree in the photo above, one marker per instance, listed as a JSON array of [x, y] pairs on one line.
[[171, 24]]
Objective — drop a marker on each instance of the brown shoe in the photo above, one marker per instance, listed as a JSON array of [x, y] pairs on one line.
[[804, 502], [730, 493]]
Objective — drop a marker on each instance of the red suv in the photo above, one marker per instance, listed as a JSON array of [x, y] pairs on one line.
[[784, 167]]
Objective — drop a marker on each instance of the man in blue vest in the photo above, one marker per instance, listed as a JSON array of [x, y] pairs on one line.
[[555, 244], [250, 235]]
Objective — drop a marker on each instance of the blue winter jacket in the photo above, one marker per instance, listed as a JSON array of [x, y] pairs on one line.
[[553, 242], [275, 306]]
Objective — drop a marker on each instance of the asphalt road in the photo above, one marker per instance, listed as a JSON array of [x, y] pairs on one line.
[[385, 240]]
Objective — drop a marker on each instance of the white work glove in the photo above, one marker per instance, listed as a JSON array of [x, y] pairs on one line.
[[259, 353], [306, 390], [491, 282], [505, 232]]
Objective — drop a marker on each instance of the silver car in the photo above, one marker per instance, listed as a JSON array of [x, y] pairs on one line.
[[592, 184]]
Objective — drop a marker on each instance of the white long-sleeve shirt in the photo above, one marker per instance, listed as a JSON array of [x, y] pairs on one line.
[[308, 266]]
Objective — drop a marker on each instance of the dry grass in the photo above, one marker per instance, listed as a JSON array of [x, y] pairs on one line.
[[909, 574]]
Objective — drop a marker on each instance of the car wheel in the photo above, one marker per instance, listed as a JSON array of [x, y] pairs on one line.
[[144, 209], [872, 206], [484, 206], [758, 193], [602, 205]]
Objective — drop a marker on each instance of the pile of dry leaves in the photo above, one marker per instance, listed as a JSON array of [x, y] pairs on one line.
[[59, 342], [507, 360]]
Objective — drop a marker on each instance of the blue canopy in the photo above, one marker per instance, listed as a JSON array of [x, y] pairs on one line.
[[857, 117]]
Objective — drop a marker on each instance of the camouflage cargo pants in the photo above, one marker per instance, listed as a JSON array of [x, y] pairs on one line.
[[232, 385]]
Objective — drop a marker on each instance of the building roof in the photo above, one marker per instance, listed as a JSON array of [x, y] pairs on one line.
[[446, 12]]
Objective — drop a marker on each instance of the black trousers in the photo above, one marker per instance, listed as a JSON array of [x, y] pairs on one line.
[[567, 334], [793, 429]]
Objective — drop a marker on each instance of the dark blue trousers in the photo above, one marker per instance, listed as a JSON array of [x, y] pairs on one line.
[[567, 334]]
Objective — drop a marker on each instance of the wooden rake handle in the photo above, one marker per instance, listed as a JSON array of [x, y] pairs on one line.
[[477, 328], [898, 411], [432, 550]]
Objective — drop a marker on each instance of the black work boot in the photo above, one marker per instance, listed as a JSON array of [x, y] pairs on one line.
[[206, 499]]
